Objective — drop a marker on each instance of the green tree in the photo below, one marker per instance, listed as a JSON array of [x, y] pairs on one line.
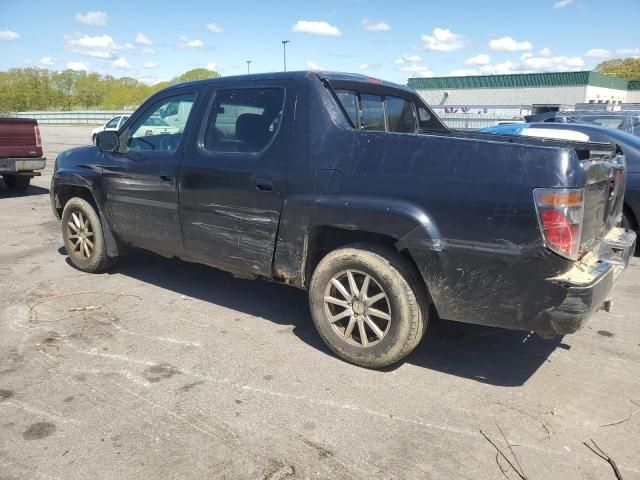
[[196, 74], [23, 89], [627, 68]]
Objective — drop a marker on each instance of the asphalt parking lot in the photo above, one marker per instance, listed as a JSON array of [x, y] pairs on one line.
[[164, 369]]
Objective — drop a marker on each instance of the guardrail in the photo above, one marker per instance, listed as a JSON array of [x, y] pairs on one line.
[[87, 117], [99, 117]]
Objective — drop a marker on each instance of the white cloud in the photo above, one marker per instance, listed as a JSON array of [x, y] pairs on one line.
[[214, 27], [545, 52], [598, 53], [443, 40], [462, 72], [508, 44], [9, 35], [314, 66], [78, 66], [419, 69], [148, 51], [364, 66], [93, 19], [628, 51], [150, 65], [316, 28], [407, 59], [212, 66], [142, 39], [147, 79], [375, 27], [186, 42], [534, 63], [100, 46], [482, 59], [121, 63], [47, 61], [501, 68], [561, 3]]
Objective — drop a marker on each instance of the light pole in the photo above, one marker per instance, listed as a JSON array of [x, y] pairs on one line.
[[248, 64], [284, 52]]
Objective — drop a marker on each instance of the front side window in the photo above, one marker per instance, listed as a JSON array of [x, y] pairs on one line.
[[243, 120], [160, 128]]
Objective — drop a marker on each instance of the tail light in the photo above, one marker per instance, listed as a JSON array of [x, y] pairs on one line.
[[36, 131], [560, 213]]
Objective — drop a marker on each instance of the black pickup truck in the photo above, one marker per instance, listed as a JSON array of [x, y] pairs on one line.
[[352, 188]]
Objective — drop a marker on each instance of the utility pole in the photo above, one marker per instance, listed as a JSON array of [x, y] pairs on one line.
[[284, 52], [248, 66]]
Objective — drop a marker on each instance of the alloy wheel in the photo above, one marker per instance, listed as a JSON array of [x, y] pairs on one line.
[[80, 234], [357, 308]]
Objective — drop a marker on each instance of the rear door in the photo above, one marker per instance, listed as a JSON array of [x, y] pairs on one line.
[[141, 184], [232, 180]]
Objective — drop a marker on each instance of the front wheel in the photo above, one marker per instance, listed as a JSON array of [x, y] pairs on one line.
[[83, 237], [17, 183], [368, 304]]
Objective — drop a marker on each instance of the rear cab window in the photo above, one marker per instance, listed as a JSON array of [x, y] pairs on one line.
[[386, 113]]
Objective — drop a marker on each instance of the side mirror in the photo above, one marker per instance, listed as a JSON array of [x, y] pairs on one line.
[[108, 141]]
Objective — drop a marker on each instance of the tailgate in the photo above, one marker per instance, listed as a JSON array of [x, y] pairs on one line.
[[18, 138], [604, 173]]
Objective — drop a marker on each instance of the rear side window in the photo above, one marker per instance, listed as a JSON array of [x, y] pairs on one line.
[[400, 115], [379, 112], [372, 112], [349, 101], [243, 120]]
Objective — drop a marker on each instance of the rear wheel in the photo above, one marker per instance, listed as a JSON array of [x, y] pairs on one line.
[[368, 304], [17, 183], [83, 237]]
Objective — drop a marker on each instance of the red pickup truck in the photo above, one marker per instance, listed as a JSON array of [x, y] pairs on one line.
[[20, 152]]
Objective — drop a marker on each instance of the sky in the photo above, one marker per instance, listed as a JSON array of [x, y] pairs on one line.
[[393, 40]]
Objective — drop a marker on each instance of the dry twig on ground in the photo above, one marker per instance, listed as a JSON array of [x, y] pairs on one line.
[[501, 454], [616, 422], [605, 457]]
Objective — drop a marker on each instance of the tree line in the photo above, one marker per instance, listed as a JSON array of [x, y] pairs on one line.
[[26, 89]]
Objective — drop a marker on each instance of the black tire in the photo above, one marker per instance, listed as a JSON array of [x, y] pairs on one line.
[[406, 303], [17, 183], [97, 260]]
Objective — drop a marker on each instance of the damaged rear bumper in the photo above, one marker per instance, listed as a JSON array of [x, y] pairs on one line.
[[587, 286]]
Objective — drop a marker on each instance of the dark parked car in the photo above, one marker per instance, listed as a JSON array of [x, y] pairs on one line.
[[627, 121], [630, 145], [20, 152], [351, 188]]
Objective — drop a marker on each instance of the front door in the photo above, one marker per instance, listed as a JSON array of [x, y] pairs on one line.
[[232, 179], [141, 184]]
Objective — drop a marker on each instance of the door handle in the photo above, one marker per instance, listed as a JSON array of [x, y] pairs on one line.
[[165, 176], [264, 183]]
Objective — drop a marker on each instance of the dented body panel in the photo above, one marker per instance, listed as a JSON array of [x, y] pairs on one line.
[[460, 206]]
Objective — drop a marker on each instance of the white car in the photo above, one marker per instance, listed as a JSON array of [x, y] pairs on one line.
[[113, 124], [155, 126]]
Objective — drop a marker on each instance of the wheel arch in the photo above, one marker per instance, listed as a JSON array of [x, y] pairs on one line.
[[631, 215], [62, 192], [311, 227]]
